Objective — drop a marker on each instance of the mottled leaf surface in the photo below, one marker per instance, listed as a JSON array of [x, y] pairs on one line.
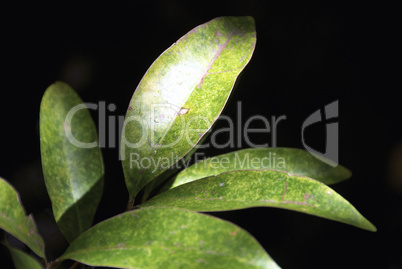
[[23, 260], [170, 172], [71, 159], [251, 188], [168, 238], [293, 161], [14, 220], [181, 95]]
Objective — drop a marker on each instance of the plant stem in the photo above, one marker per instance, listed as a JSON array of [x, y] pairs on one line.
[[130, 204], [74, 265], [52, 264], [145, 197]]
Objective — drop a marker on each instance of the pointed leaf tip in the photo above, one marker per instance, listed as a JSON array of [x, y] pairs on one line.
[[254, 188]]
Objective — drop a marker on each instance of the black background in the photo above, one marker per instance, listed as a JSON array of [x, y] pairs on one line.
[[308, 54]]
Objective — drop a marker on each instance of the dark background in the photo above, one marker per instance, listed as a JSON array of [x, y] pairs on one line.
[[308, 54]]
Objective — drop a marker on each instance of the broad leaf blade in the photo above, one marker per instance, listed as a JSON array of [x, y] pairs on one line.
[[71, 159], [23, 260], [181, 95], [252, 188], [293, 161], [168, 238], [14, 220]]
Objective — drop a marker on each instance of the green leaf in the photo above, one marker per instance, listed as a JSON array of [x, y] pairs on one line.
[[14, 220], [169, 172], [252, 188], [168, 238], [293, 161], [71, 159], [23, 260], [181, 95]]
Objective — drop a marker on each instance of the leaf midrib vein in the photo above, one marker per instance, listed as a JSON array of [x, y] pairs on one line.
[[216, 56], [67, 155]]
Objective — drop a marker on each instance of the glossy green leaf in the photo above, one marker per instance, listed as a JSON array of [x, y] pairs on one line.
[[71, 159], [251, 188], [181, 95], [168, 238], [23, 260], [293, 161], [14, 220], [169, 173]]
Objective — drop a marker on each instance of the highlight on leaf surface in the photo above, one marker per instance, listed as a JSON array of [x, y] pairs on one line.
[[71, 159], [181, 95]]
